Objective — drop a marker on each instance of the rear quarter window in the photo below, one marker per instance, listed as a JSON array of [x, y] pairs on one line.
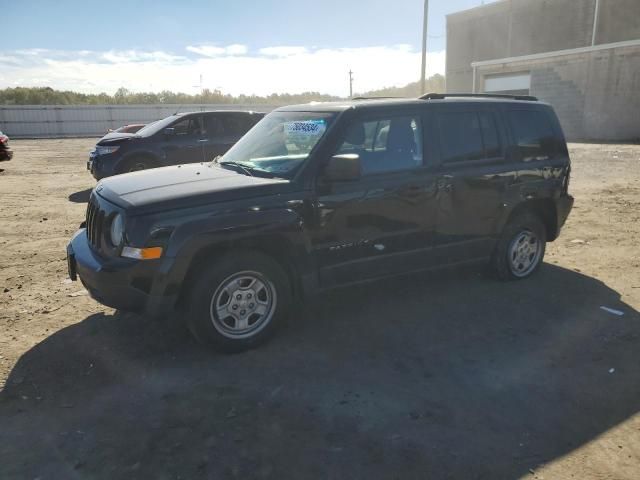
[[533, 134]]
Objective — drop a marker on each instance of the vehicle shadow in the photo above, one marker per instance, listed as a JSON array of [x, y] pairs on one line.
[[447, 375], [81, 196]]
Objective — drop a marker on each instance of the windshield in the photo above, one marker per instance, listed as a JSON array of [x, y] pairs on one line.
[[280, 143], [155, 127]]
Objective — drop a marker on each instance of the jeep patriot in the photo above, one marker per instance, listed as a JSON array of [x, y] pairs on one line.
[[324, 195]]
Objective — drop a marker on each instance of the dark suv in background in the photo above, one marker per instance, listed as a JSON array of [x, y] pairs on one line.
[[180, 138], [5, 152], [325, 195]]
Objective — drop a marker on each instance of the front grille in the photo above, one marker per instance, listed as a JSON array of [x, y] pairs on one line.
[[95, 223]]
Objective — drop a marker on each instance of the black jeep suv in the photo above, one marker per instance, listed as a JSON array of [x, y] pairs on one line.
[[324, 195], [180, 138]]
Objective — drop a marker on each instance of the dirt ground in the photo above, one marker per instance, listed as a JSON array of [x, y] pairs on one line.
[[443, 375]]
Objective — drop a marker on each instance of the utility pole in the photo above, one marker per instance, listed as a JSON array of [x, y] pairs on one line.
[[350, 84], [199, 86], [424, 46]]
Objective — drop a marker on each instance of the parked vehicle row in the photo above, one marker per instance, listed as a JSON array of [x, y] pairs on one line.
[[319, 196], [180, 138], [5, 152]]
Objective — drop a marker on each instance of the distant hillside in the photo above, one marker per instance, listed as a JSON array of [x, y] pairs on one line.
[[434, 84], [49, 96]]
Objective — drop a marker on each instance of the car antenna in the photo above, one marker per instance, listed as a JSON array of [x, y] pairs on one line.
[[178, 109]]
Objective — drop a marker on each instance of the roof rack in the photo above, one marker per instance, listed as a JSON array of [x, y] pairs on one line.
[[442, 96], [375, 98]]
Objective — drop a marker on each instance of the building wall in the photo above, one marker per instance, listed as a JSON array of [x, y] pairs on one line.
[[512, 28], [618, 20], [596, 95], [41, 121]]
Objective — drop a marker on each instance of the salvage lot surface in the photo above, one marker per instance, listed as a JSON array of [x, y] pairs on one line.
[[444, 375]]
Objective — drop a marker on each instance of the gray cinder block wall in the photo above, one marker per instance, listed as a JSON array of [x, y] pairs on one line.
[[596, 94]]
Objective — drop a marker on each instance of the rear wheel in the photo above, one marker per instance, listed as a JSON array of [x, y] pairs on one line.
[[520, 248], [238, 302]]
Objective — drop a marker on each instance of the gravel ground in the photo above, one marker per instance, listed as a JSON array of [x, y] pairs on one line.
[[442, 375]]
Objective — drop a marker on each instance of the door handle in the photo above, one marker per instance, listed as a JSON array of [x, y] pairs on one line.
[[202, 140]]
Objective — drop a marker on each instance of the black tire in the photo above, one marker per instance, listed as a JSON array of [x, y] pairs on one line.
[[232, 269], [137, 164], [504, 263]]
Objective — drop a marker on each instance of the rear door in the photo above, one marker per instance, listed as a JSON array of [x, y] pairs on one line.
[[382, 223], [473, 180]]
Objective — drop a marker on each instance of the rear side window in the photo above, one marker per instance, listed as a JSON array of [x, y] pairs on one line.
[[490, 137], [213, 126], [236, 125], [460, 136], [533, 134]]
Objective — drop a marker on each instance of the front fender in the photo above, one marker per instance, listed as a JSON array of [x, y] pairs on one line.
[[150, 154], [275, 229]]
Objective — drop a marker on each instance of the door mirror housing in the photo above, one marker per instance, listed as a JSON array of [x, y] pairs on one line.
[[343, 168], [169, 132]]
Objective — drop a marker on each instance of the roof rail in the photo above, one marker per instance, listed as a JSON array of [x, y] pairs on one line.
[[375, 98], [441, 96]]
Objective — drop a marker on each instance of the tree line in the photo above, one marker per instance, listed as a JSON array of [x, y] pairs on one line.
[[123, 96]]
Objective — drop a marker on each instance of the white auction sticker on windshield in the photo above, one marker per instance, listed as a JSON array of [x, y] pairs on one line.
[[306, 127]]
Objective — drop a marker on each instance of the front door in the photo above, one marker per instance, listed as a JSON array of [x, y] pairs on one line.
[[185, 144], [382, 223]]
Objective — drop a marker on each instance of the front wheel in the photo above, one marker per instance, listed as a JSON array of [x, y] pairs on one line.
[[238, 302], [137, 164], [520, 248]]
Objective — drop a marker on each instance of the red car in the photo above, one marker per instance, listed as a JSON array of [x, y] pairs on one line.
[[5, 152], [133, 128]]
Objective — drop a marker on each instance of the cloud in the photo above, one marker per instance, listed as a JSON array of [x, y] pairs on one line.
[[283, 51], [214, 51], [233, 69]]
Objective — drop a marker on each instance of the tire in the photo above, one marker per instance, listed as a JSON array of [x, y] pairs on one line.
[[228, 312], [137, 164], [520, 248]]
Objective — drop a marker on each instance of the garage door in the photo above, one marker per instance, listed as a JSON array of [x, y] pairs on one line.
[[513, 84]]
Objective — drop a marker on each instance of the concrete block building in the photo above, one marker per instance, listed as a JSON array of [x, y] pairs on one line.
[[582, 56]]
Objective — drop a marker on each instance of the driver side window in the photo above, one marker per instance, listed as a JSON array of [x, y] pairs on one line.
[[189, 127], [385, 144]]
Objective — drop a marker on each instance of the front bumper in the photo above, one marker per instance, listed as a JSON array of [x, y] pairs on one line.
[[100, 166], [123, 284], [6, 154]]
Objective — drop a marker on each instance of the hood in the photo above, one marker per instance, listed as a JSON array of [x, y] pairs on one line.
[[183, 185], [115, 137]]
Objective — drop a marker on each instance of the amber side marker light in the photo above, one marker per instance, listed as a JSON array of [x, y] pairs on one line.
[[149, 253]]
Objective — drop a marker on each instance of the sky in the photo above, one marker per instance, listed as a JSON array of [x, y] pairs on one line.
[[250, 47]]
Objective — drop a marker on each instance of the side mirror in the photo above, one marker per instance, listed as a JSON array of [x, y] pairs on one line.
[[343, 168], [169, 132]]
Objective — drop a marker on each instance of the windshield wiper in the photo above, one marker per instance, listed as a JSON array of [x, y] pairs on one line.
[[236, 164]]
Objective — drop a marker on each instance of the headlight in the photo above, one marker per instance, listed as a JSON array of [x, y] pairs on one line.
[[117, 230], [106, 150]]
